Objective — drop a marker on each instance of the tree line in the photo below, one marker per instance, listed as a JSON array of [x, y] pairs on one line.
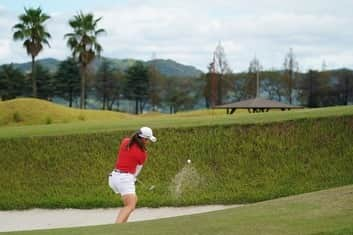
[[311, 89], [150, 90], [106, 86]]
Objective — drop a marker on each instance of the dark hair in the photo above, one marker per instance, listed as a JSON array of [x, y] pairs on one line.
[[136, 139]]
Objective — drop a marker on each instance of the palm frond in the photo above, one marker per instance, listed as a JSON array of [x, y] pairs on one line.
[[18, 35], [99, 31], [46, 42], [83, 38], [32, 30]]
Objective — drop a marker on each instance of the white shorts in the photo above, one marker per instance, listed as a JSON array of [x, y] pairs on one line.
[[123, 183]]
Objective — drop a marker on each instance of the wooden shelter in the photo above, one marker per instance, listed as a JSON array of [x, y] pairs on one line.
[[256, 105]]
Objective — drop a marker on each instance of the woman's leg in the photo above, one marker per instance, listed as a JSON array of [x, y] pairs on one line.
[[129, 201]]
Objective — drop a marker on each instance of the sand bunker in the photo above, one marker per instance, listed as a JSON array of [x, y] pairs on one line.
[[62, 218]]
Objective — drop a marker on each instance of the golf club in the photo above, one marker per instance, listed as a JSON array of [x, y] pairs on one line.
[[149, 188]]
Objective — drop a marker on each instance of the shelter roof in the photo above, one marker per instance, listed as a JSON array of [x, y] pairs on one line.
[[258, 103]]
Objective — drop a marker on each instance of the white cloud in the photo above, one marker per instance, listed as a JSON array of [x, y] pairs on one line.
[[4, 49], [188, 32]]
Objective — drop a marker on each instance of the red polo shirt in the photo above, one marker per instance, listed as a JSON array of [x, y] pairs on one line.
[[129, 158]]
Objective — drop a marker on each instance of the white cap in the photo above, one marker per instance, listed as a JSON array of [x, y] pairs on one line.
[[146, 132]]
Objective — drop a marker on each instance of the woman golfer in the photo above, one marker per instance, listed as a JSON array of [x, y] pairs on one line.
[[131, 157]]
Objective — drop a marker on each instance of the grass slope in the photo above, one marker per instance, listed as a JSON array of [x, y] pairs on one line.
[[230, 164], [328, 212], [29, 111], [65, 121]]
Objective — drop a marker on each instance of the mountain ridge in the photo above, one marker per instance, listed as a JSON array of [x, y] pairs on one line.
[[166, 67]]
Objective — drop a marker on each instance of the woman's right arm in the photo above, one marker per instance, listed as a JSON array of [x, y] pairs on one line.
[[138, 170]]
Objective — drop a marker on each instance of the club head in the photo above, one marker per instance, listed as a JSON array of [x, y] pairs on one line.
[[152, 187]]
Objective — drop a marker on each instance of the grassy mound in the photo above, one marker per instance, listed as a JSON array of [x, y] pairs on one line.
[[28, 111], [102, 123], [230, 164], [328, 212]]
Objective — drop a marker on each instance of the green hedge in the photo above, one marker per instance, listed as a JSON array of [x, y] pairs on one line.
[[230, 164]]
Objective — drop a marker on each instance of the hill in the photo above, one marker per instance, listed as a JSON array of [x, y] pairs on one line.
[[29, 111], [48, 63], [168, 67], [174, 69]]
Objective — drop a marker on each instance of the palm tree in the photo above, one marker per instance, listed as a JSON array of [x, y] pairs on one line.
[[83, 43], [32, 31]]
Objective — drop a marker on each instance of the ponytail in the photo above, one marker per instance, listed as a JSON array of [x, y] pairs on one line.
[[136, 139]]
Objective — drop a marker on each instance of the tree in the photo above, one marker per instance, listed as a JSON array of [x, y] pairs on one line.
[[156, 84], [103, 81], [137, 85], [325, 90], [312, 88], [221, 68], [178, 94], [344, 86], [206, 92], [238, 84], [84, 45], [117, 89], [45, 83], [67, 80], [31, 29], [12, 82], [211, 90], [252, 85], [291, 69], [108, 84], [272, 85]]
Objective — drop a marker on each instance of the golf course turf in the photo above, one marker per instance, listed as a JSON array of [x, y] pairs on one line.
[[235, 159]]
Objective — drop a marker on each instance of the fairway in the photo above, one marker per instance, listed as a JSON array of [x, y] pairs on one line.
[[324, 212]]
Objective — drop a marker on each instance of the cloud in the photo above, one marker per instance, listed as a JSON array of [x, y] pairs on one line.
[[189, 31]]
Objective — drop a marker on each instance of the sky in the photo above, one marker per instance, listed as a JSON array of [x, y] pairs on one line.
[[318, 31]]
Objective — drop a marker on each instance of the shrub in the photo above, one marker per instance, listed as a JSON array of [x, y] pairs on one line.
[[81, 117], [17, 117], [48, 120]]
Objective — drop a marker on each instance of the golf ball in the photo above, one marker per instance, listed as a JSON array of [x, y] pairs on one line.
[[188, 161]]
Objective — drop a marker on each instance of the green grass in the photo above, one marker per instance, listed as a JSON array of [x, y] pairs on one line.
[[328, 212], [233, 164], [105, 122]]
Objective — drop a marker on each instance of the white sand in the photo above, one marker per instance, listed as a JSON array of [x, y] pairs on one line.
[[62, 218]]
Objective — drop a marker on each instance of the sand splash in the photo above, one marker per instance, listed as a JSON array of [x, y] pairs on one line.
[[187, 180]]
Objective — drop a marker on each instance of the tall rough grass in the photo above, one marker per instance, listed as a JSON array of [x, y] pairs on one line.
[[234, 164]]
